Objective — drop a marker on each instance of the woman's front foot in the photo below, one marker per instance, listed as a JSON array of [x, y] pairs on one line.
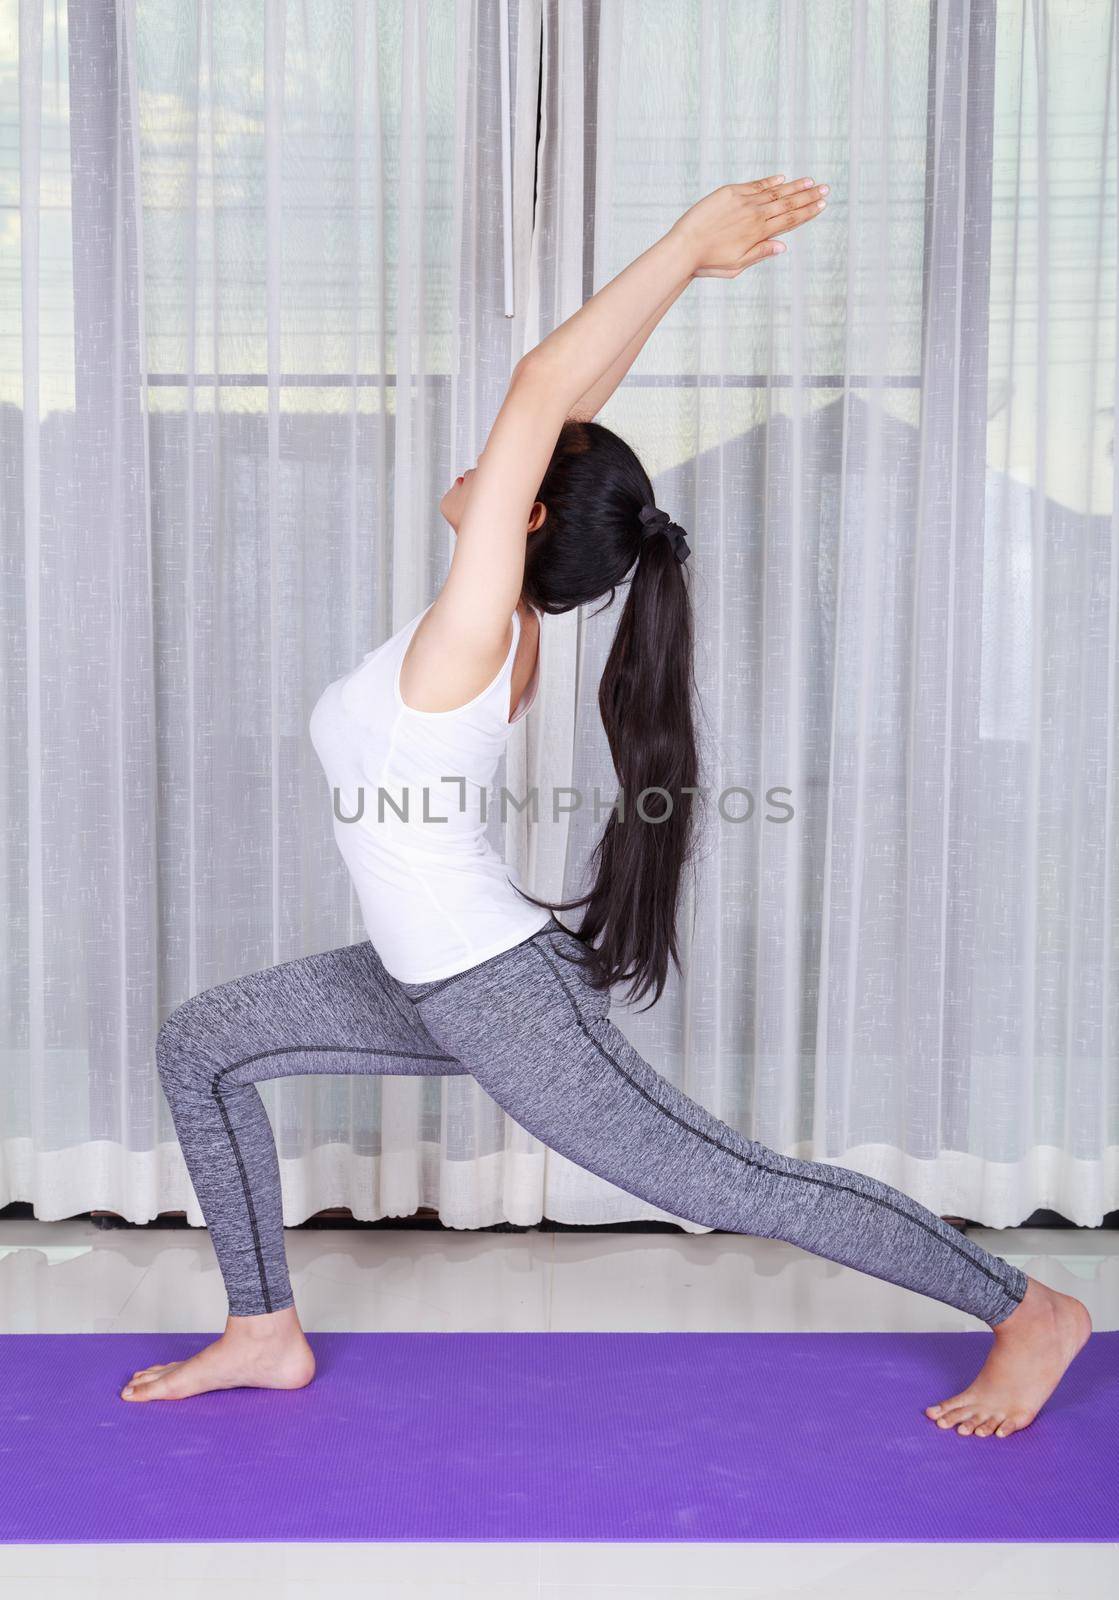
[[265, 1352], [1033, 1348]]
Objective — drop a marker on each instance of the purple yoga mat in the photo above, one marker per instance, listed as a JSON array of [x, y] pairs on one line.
[[551, 1436]]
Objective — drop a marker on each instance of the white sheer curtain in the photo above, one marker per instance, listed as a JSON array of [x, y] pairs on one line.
[[253, 323], [893, 451]]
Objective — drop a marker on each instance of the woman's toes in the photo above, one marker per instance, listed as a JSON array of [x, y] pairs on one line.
[[1010, 1425], [944, 1408], [150, 1389], [951, 1414], [140, 1382]]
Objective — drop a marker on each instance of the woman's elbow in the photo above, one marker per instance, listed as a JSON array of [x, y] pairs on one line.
[[533, 370]]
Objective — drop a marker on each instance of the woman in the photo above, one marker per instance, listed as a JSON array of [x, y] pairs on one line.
[[462, 971]]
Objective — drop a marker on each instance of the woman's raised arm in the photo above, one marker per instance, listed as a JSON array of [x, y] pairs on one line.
[[466, 632], [487, 570]]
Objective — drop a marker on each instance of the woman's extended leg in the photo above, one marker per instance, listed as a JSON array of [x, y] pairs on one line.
[[336, 1012], [539, 1041]]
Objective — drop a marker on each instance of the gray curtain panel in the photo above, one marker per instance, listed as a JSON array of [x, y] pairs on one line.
[[254, 299]]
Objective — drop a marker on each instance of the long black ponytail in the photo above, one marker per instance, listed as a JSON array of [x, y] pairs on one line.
[[600, 523]]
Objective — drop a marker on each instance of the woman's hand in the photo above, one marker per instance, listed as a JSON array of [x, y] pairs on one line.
[[734, 226]]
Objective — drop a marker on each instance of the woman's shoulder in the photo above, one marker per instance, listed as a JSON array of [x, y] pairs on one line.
[[447, 664]]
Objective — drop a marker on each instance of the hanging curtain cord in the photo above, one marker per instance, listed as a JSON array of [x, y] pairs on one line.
[[506, 159]]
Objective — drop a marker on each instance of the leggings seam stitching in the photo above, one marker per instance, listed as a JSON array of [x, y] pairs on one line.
[[248, 1197], [330, 1049], [775, 1172]]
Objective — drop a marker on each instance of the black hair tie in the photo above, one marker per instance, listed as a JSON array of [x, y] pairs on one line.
[[657, 521]]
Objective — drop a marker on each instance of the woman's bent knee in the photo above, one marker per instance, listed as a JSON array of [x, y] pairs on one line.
[[181, 1056]]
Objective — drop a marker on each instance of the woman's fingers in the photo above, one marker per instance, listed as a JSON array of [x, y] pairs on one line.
[[794, 208], [725, 228], [794, 219], [759, 252], [756, 185], [784, 207], [783, 188]]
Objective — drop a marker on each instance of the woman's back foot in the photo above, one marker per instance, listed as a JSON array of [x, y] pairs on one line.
[[271, 1354], [1033, 1348]]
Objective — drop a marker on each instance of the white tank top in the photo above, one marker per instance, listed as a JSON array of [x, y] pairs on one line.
[[435, 896]]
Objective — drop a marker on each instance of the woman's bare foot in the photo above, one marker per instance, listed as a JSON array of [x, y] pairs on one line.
[[265, 1352], [1032, 1349]]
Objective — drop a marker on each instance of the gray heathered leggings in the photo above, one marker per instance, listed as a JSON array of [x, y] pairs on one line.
[[537, 1038]]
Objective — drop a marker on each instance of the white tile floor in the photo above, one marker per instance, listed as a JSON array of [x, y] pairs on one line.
[[60, 1277]]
